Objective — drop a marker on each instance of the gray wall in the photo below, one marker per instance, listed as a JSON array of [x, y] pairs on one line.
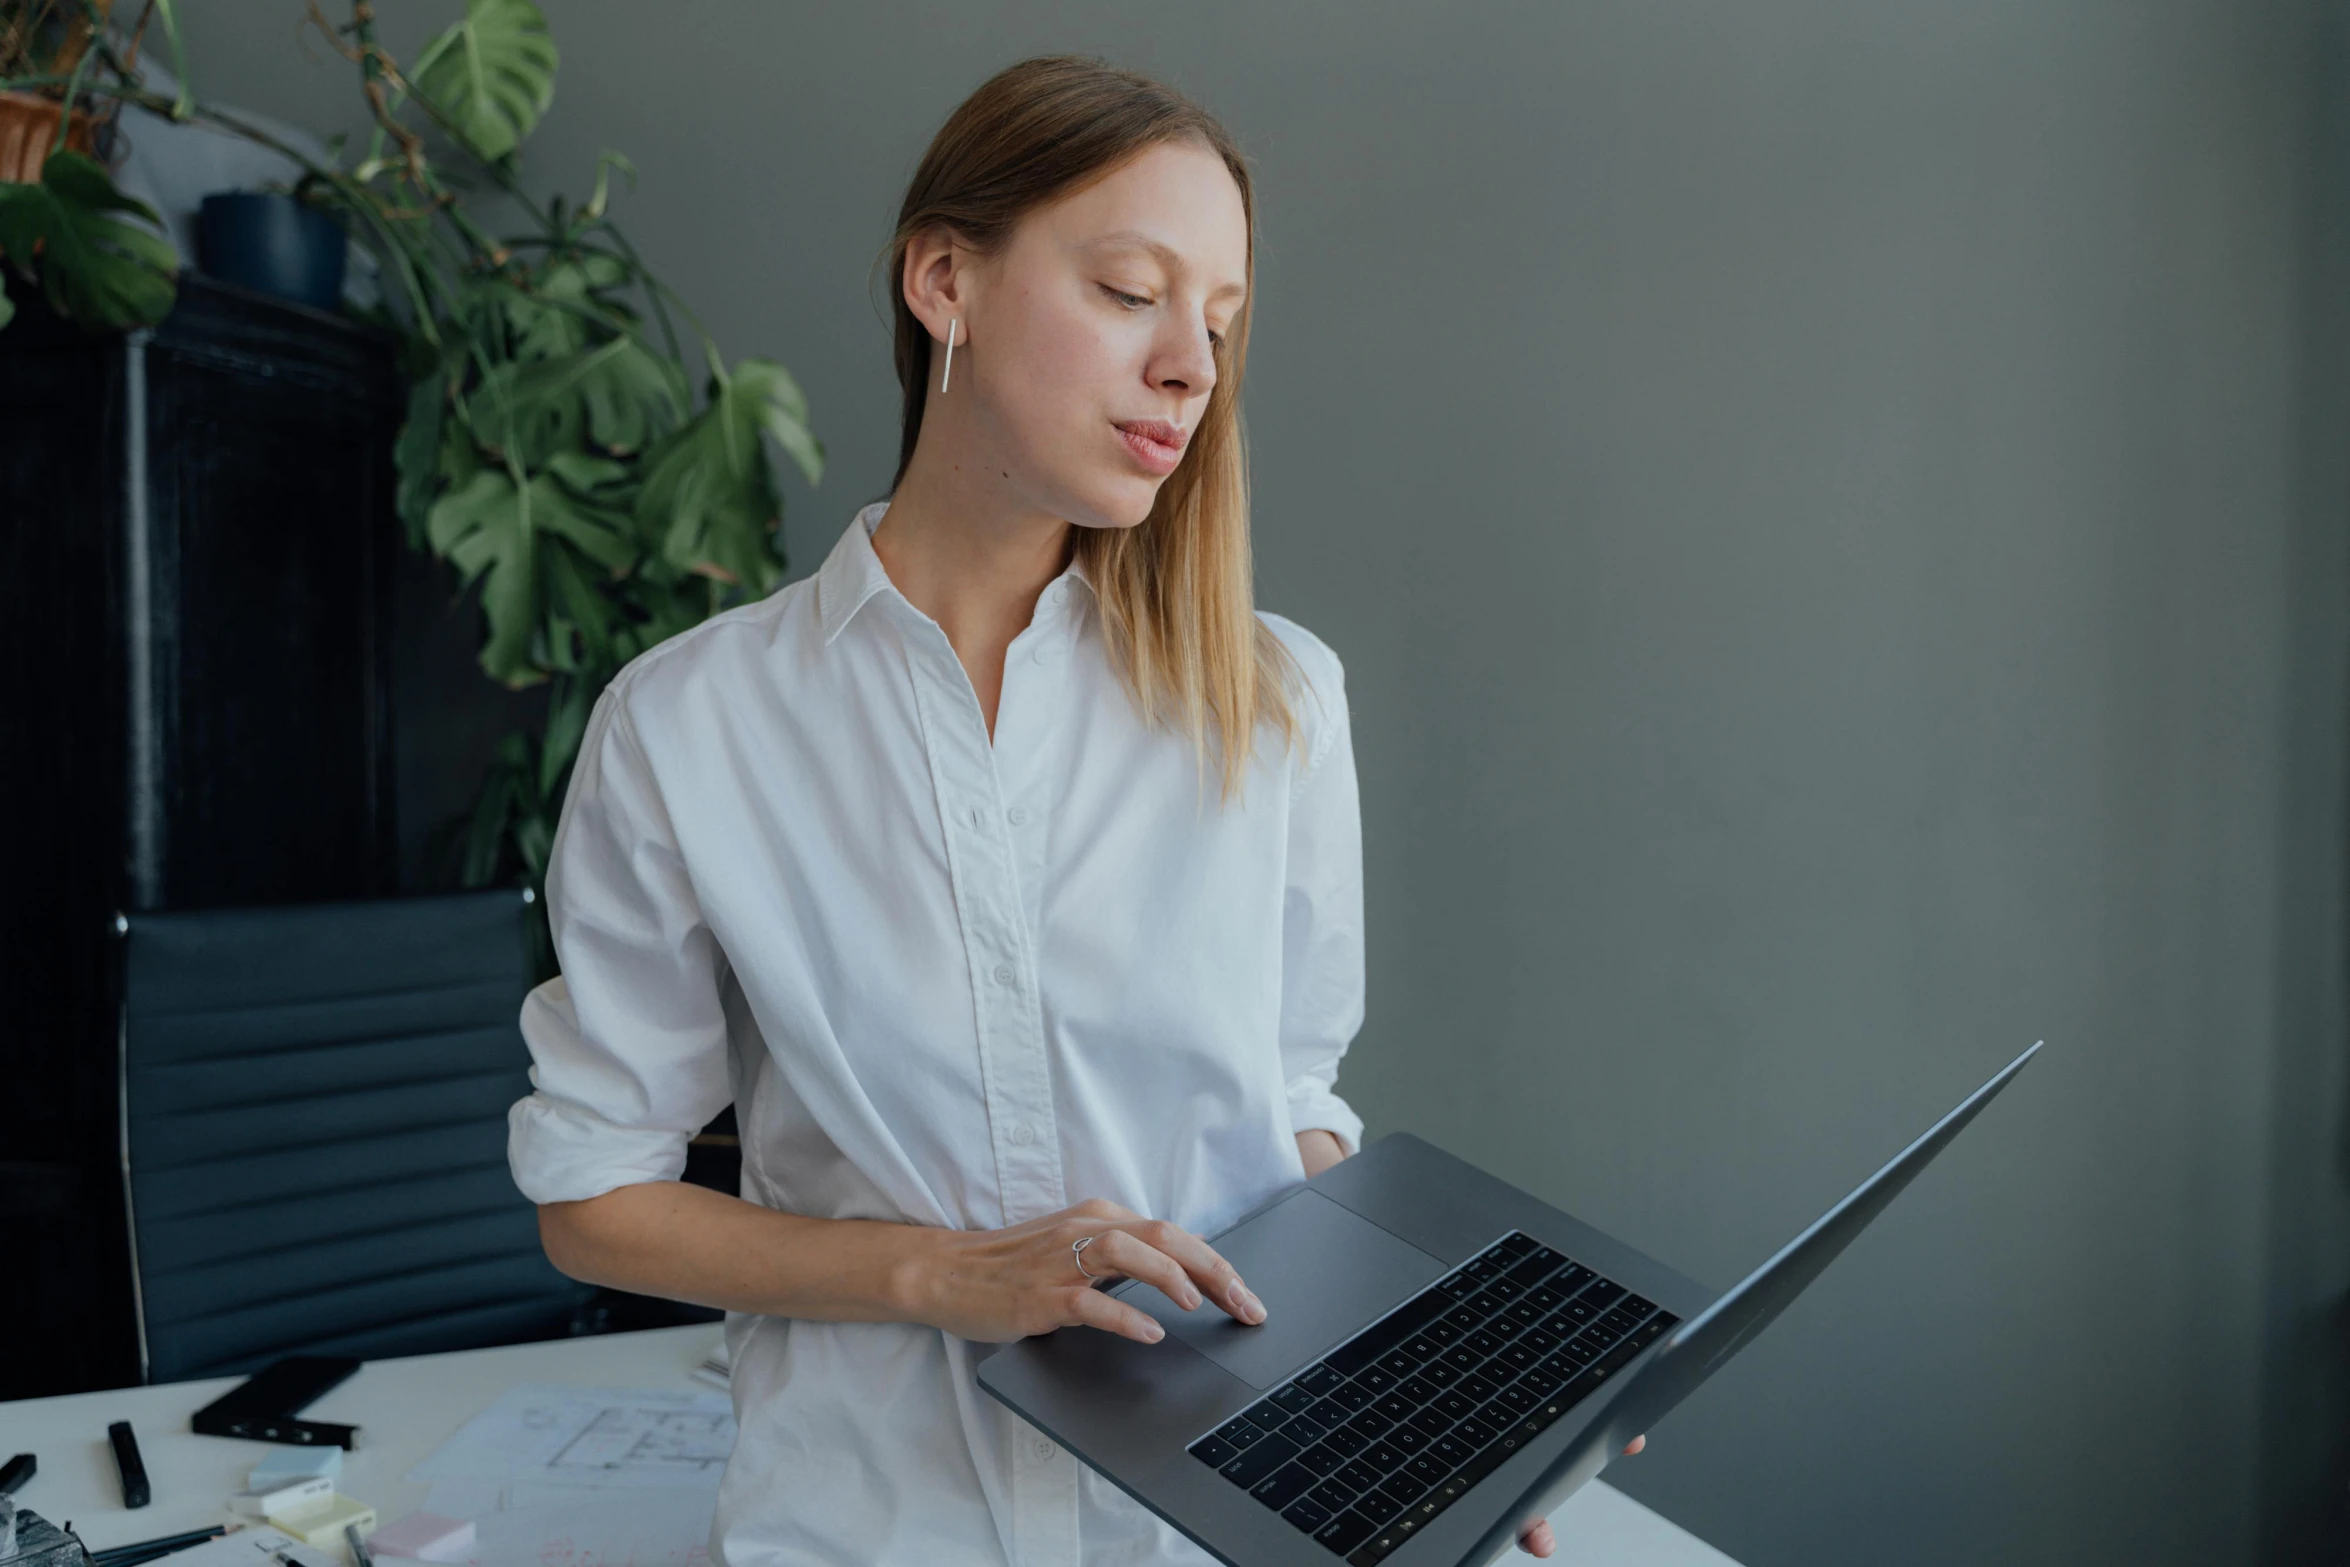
[[1832, 514]]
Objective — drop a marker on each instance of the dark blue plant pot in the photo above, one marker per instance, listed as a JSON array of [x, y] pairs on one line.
[[273, 243]]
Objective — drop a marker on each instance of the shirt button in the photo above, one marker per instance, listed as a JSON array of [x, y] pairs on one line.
[[1024, 1134], [1044, 1448], [1016, 815], [1004, 974]]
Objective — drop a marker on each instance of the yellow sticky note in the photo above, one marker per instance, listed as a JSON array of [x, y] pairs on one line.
[[324, 1525]]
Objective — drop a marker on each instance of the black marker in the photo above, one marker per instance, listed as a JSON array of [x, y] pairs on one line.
[[126, 1460], [17, 1471]]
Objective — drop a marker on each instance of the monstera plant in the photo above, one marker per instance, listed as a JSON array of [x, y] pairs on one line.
[[556, 450]]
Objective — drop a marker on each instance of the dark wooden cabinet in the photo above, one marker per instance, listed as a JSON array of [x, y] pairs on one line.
[[197, 549]]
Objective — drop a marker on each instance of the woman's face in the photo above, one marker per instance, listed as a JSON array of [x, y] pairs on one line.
[[1091, 335]]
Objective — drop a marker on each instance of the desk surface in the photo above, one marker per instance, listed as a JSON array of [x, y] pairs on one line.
[[407, 1407]]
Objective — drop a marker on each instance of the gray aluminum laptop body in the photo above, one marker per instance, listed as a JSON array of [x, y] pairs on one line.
[[1343, 1252]]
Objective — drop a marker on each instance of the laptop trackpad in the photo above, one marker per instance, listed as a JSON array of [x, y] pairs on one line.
[[1323, 1271]]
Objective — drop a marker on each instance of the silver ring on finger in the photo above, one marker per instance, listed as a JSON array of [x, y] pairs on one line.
[[1077, 1253]]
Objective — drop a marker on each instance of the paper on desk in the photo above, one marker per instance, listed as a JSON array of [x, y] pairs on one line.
[[586, 1437], [642, 1526]]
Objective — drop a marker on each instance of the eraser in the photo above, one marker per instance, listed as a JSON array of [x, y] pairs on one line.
[[325, 1525], [288, 1464], [293, 1499], [423, 1537]]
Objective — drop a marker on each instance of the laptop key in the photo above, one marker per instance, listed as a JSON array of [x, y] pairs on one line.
[[1335, 1494], [1506, 1287], [1370, 1425], [1408, 1437], [1238, 1431], [1295, 1397], [1521, 1399], [1255, 1463], [1283, 1486], [1441, 1332], [1452, 1404], [1475, 1432], [1477, 1387], [1376, 1379], [1214, 1451], [1346, 1531], [1306, 1514], [1464, 1316], [1399, 1362], [1353, 1396], [1540, 1340], [1536, 1265], [1403, 1487], [1420, 1347], [1320, 1380], [1601, 1293], [1266, 1415], [1346, 1442], [1385, 1457], [1366, 1347], [1328, 1412], [1431, 1422], [1482, 1341], [1462, 1356], [1418, 1389], [1377, 1506], [1322, 1458], [1516, 1243], [1305, 1429], [1442, 1373], [1395, 1406], [1355, 1475], [1519, 1356], [1547, 1296], [1619, 1319], [1452, 1450], [1541, 1381]]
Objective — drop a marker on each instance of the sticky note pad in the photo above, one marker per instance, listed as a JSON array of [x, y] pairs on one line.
[[289, 1464], [292, 1499], [423, 1537], [324, 1525]]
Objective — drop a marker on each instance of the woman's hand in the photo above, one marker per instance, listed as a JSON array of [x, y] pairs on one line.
[[1538, 1540], [996, 1285]]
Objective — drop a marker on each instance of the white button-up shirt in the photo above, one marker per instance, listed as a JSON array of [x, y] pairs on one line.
[[944, 982]]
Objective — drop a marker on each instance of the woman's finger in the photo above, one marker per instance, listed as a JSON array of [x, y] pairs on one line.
[[1216, 1278], [1124, 1253], [1635, 1445], [1538, 1540], [1091, 1308]]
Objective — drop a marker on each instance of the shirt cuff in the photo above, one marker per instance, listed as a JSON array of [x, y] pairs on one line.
[[1315, 1108], [565, 1152]]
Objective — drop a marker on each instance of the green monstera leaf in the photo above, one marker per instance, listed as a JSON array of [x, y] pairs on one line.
[[517, 541], [492, 75], [627, 395], [709, 495], [96, 264]]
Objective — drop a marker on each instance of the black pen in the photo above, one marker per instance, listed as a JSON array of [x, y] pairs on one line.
[[17, 1471], [126, 1462], [141, 1550]]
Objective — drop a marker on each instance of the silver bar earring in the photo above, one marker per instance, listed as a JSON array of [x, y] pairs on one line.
[[950, 367]]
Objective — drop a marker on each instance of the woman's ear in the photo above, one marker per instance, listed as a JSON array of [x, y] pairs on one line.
[[937, 283]]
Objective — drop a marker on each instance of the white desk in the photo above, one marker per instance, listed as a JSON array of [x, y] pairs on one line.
[[405, 1408]]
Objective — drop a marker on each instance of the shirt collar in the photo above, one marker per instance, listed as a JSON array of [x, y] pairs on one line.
[[853, 574]]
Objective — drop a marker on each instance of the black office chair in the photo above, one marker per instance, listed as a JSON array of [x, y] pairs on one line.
[[314, 1119]]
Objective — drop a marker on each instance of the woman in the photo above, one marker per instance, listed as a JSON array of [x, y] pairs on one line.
[[1005, 875]]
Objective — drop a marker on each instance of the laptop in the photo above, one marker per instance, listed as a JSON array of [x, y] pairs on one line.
[[1444, 1360]]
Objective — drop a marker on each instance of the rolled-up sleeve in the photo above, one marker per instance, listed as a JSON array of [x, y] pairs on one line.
[[1322, 913], [628, 1045]]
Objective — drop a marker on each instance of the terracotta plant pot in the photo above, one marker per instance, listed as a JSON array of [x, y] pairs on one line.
[[28, 131]]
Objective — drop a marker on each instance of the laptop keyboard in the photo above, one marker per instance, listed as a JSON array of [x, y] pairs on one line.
[[1365, 1446]]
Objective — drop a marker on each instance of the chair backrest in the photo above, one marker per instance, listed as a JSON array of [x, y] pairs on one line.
[[314, 1118]]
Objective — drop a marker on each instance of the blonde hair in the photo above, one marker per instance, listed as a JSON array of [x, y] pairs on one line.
[[1176, 591]]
